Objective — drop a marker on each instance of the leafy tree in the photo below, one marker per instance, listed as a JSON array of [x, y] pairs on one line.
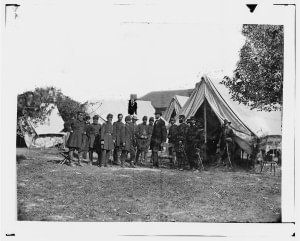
[[34, 105], [258, 77]]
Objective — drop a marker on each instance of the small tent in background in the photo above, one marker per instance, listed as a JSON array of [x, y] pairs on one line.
[[115, 107], [211, 102], [174, 107], [47, 133]]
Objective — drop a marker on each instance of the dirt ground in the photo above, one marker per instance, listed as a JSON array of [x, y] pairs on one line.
[[48, 191]]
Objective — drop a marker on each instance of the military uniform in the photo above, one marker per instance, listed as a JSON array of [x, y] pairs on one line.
[[76, 132], [159, 135], [180, 144], [85, 140], [192, 142], [142, 136], [118, 136], [128, 145], [108, 144], [134, 126], [150, 130], [93, 132], [226, 143], [172, 133], [74, 142]]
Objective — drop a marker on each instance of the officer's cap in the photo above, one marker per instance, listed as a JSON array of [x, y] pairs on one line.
[[128, 118], [95, 117]]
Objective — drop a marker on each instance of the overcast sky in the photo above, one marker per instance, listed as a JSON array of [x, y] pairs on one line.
[[109, 49]]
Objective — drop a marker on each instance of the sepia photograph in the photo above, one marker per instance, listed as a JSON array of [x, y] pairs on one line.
[[139, 112]]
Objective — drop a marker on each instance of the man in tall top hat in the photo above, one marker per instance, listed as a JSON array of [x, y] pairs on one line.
[[118, 136], [93, 132], [107, 141], [142, 135], [159, 136], [180, 142]]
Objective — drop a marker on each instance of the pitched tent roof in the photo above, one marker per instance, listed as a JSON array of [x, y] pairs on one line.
[[47, 133], [175, 104], [53, 123], [244, 121], [115, 107], [161, 99]]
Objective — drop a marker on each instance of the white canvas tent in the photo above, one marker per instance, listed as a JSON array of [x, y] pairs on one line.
[[115, 107], [174, 107], [245, 122], [47, 133]]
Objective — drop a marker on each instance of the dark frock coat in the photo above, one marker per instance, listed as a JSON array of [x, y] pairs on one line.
[[193, 138], [159, 134], [107, 136], [150, 131], [181, 131], [75, 138], [172, 134], [93, 132], [143, 135], [85, 138], [132, 108], [118, 133], [129, 137]]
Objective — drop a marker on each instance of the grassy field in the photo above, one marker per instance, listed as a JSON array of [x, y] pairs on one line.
[[48, 191]]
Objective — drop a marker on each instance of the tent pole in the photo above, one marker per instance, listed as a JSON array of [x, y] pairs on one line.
[[205, 124], [205, 129]]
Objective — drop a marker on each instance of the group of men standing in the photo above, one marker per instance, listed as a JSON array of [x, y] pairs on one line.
[[116, 139], [186, 141]]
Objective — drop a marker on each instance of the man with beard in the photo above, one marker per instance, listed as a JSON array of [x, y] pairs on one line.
[[159, 136], [118, 136], [180, 142]]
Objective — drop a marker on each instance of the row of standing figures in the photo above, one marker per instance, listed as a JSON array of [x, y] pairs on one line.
[[114, 142]]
